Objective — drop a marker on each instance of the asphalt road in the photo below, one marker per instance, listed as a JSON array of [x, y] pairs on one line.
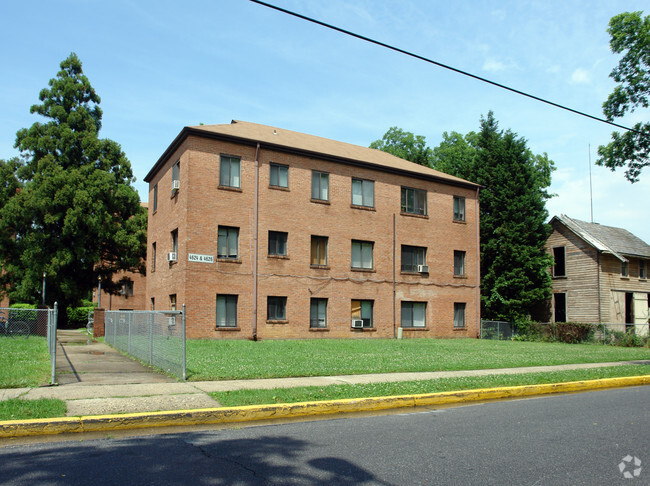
[[563, 439]]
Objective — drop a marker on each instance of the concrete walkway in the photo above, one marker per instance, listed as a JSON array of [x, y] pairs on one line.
[[95, 379]]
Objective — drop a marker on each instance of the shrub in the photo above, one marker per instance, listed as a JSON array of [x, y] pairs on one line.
[[23, 306], [573, 332], [78, 316]]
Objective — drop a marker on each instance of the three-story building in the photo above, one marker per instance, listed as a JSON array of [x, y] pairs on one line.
[[268, 233]]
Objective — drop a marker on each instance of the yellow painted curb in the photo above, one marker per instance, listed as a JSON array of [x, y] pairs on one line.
[[20, 428]]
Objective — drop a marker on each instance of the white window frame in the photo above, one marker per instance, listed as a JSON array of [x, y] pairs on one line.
[[363, 192], [226, 310], [228, 239], [317, 313], [413, 207], [414, 315], [227, 176], [320, 185], [459, 315], [362, 255], [278, 175]]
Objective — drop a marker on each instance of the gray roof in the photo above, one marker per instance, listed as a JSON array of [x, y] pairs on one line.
[[607, 239]]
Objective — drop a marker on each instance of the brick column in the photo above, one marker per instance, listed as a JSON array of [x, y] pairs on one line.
[[98, 323]]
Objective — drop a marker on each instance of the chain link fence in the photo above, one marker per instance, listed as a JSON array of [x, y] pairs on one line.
[[605, 333], [23, 323], [497, 330], [156, 338]]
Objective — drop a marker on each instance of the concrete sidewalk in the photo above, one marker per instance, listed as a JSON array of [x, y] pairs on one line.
[[95, 379]]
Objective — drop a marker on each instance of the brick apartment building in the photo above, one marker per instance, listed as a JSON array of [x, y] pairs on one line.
[[265, 233]]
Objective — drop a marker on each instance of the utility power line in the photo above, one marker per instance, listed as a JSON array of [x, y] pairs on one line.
[[439, 64]]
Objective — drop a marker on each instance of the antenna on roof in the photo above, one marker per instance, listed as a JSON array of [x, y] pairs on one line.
[[591, 198]]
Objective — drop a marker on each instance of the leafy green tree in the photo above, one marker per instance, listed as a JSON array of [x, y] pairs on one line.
[[515, 282], [69, 209], [630, 36], [404, 145], [514, 264], [456, 154]]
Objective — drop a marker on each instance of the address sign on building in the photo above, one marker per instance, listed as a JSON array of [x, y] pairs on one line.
[[193, 257]]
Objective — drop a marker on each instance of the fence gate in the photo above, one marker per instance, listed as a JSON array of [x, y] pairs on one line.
[[153, 337], [28, 323]]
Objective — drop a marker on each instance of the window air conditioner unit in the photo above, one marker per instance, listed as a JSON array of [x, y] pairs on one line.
[[423, 269], [171, 322], [357, 323], [171, 256], [176, 185]]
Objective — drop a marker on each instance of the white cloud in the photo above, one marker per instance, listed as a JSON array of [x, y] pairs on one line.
[[493, 65], [580, 76]]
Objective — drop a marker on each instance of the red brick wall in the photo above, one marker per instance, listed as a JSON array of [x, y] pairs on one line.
[[200, 206]]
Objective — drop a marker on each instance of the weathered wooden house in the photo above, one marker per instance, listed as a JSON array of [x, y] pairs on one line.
[[600, 274]]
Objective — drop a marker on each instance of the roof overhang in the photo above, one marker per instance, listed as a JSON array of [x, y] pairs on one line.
[[194, 131]]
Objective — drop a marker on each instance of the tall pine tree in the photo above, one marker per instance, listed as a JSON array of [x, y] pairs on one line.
[[514, 264], [515, 282], [71, 212]]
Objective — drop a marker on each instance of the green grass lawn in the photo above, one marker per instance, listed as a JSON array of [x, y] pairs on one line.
[[17, 409], [234, 359], [24, 362], [337, 392]]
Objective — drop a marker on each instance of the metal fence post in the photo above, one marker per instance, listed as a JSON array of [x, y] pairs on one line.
[[151, 340], [52, 326], [130, 320], [184, 345]]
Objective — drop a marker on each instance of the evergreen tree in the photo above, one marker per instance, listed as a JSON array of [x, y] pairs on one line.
[[70, 209], [514, 264], [515, 281]]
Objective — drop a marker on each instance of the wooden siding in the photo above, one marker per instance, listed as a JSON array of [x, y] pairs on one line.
[[586, 269], [581, 281]]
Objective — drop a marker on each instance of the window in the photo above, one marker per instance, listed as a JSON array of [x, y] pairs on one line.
[[459, 315], [176, 177], [172, 302], [229, 171], [459, 263], [320, 185], [175, 241], [279, 176], [459, 208], [559, 258], [412, 256], [362, 310], [414, 201], [363, 193], [228, 242], [559, 302], [276, 308], [625, 272], [127, 288], [277, 243], [319, 250], [642, 274], [153, 257], [226, 310], [414, 314], [155, 198], [153, 303], [362, 254], [318, 313]]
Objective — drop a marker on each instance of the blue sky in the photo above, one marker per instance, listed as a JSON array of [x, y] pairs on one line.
[[159, 66]]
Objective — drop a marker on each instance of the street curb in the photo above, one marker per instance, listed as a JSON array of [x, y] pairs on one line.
[[101, 423]]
